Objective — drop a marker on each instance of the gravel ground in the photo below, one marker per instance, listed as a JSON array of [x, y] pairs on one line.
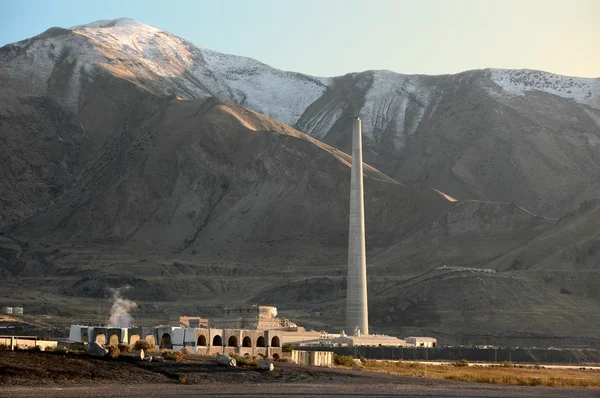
[[25, 374]]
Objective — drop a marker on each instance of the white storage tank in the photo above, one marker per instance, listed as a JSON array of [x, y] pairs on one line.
[[17, 310], [6, 310]]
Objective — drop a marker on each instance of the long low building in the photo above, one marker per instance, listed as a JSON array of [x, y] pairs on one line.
[[421, 341], [208, 341], [369, 340], [24, 342]]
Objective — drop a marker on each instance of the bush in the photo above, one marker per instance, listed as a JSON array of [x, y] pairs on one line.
[[124, 347], [286, 360], [172, 355], [287, 347], [185, 351], [343, 360], [4, 347], [245, 360], [143, 345], [357, 366], [113, 351], [37, 348], [462, 362]]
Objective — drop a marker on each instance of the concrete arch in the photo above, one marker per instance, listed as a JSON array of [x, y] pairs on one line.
[[275, 342], [247, 342], [134, 338], [232, 341], [165, 341], [114, 339], [201, 341], [260, 342], [150, 339], [101, 338], [217, 341]]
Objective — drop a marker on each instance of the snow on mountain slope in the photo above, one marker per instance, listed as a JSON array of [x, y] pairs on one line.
[[39, 60], [159, 51], [392, 105], [518, 82], [396, 102], [279, 94], [197, 73]]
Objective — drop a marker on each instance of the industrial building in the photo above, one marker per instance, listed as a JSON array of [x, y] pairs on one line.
[[255, 317], [256, 330], [421, 341], [369, 340], [26, 342], [189, 322], [11, 310], [208, 341]]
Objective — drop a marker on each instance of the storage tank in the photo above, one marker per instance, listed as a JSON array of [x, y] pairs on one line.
[[6, 310], [17, 310]]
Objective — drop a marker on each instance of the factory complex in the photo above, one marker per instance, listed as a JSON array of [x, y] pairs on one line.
[[244, 330], [256, 330]]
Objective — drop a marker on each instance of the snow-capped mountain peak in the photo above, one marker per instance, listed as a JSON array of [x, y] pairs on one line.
[[518, 82], [110, 23]]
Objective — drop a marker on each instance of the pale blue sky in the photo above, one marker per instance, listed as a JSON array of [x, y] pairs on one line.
[[333, 37]]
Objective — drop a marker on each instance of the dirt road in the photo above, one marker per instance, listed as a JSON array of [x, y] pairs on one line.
[[370, 388]]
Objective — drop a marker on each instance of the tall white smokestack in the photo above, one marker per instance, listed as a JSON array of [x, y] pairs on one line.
[[357, 313]]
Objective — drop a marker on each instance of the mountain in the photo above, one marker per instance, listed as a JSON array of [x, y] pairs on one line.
[[520, 136], [130, 157]]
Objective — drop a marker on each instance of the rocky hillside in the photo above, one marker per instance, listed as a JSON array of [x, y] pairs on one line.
[[520, 136]]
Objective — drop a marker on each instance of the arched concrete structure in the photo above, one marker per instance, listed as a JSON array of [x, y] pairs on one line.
[[247, 342], [114, 339], [260, 342], [275, 342], [134, 338], [201, 341], [217, 341], [232, 341], [165, 341], [150, 339], [101, 338]]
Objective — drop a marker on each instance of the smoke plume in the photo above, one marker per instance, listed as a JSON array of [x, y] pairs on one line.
[[119, 313]]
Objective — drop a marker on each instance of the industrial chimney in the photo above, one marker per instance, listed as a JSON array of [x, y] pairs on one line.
[[357, 316]]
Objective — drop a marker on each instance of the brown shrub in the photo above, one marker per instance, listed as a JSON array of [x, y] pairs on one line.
[[113, 351], [172, 355], [185, 351], [245, 360], [125, 347], [343, 360], [143, 345]]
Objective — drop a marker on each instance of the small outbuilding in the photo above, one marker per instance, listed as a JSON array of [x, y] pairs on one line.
[[428, 342]]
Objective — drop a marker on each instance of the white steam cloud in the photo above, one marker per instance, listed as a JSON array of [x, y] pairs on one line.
[[119, 313]]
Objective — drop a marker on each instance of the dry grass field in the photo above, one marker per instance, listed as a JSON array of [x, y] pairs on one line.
[[502, 374]]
